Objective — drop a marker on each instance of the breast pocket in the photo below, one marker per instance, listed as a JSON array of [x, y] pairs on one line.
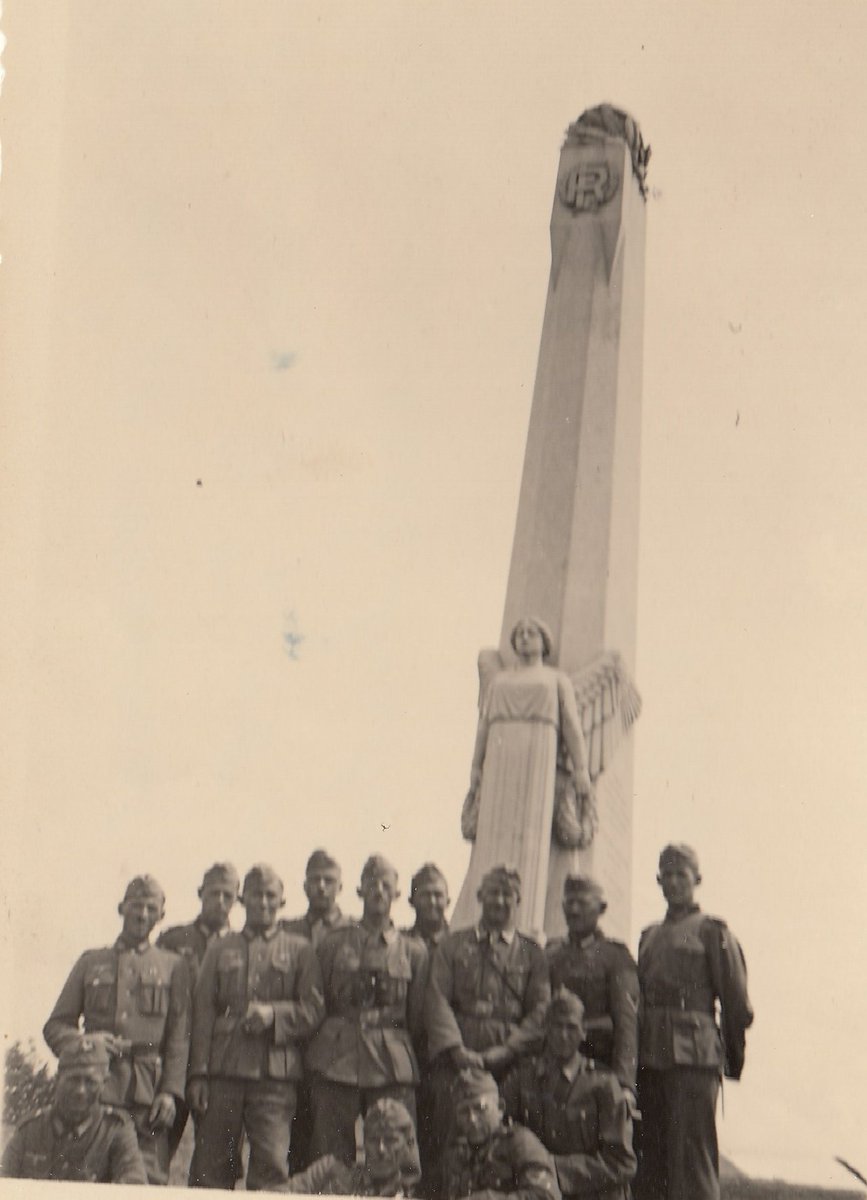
[[392, 983], [583, 1125], [100, 989], [153, 1000]]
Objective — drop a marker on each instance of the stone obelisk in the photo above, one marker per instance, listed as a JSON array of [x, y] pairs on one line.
[[575, 553]]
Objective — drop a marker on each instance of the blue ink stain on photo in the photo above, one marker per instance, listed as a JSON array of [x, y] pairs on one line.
[[282, 361], [292, 639]]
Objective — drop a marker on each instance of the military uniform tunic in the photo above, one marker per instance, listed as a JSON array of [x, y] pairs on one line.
[[313, 928], [190, 941], [513, 1162], [103, 1149], [602, 974], [252, 1076], [686, 964], [374, 994], [487, 990], [580, 1115], [141, 995]]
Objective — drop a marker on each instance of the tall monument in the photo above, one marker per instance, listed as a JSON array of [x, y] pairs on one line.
[[575, 554]]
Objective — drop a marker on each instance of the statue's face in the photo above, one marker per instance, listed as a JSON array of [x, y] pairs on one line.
[[678, 883], [527, 639], [77, 1093], [322, 887], [478, 1118], [582, 911]]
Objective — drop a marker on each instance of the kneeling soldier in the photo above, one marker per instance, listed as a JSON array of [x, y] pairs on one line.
[[77, 1138], [137, 996], [485, 1156], [577, 1111], [391, 1160], [259, 994]]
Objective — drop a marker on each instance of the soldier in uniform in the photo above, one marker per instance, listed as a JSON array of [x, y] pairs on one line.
[[391, 1162], [429, 896], [488, 986], [486, 999], [322, 886], [138, 997], [602, 974], [258, 997], [374, 980], [77, 1138], [218, 893], [485, 1156], [576, 1108], [687, 964]]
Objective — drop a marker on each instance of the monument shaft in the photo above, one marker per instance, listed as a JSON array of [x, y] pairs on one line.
[[575, 553]]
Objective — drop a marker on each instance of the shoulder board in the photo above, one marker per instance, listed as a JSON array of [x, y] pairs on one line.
[[98, 952], [295, 939], [529, 939], [165, 953], [119, 1115], [554, 944], [718, 921]]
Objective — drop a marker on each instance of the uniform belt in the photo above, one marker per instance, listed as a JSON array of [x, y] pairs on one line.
[[698, 999], [375, 1018], [486, 1010], [127, 1049], [601, 1024]]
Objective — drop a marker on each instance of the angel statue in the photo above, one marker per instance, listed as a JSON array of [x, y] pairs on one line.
[[543, 739]]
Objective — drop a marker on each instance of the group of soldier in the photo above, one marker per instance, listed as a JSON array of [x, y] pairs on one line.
[[470, 1061]]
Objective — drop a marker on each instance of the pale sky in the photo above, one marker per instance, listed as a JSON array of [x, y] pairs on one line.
[[299, 252]]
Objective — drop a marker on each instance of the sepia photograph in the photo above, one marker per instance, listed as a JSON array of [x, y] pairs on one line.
[[432, 662]]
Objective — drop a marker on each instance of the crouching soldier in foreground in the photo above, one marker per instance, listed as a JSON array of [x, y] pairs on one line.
[[259, 995], [391, 1162], [484, 1156], [77, 1138], [578, 1111], [137, 996]]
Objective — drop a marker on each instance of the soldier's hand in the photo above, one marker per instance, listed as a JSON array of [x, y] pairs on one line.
[[496, 1058], [113, 1044], [462, 1057], [258, 1017], [162, 1112], [197, 1096]]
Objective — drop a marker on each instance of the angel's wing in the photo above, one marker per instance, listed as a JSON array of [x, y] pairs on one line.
[[608, 703], [490, 664]]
